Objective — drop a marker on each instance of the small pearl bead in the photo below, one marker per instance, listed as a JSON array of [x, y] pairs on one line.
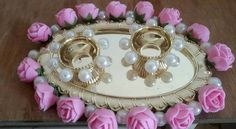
[[170, 29], [178, 44], [124, 63], [172, 60], [130, 14], [205, 46], [40, 80], [151, 22], [55, 28], [79, 29], [150, 81], [132, 75], [85, 75], [103, 43], [88, 33], [65, 75], [89, 109], [53, 63], [107, 78], [103, 61], [121, 116], [215, 81], [129, 20], [181, 28], [196, 107], [54, 46], [131, 57], [166, 77], [161, 118], [134, 27], [102, 15], [151, 66], [124, 43], [33, 54], [69, 34]]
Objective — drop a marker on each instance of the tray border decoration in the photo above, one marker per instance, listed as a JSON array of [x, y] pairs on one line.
[[178, 110]]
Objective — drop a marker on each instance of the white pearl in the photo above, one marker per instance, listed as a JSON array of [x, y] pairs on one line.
[[121, 116], [170, 29], [215, 81], [69, 34], [151, 22], [33, 54], [172, 60], [161, 118], [40, 80], [124, 63], [103, 61], [131, 57], [124, 43], [101, 15], [107, 78], [85, 75], [150, 81], [55, 28], [103, 43], [130, 14], [129, 20], [134, 27], [79, 29], [53, 63], [181, 28], [196, 107], [89, 109], [205, 46], [132, 75], [88, 33], [151, 66], [178, 44], [54, 46], [65, 75], [166, 77]]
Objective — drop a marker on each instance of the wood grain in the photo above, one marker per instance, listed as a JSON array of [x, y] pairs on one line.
[[16, 98]]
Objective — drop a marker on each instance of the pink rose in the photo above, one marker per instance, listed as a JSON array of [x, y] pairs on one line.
[[102, 119], [199, 32], [87, 11], [115, 9], [66, 17], [70, 109], [212, 98], [44, 96], [144, 9], [221, 56], [141, 118], [27, 70], [170, 16], [180, 116], [39, 32]]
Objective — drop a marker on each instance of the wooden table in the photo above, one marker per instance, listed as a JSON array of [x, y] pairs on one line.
[[17, 106]]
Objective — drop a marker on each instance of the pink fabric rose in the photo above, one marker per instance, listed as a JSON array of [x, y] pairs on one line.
[[102, 119], [145, 9], [44, 96], [199, 32], [39, 32], [115, 9], [180, 116], [70, 109], [211, 98], [87, 11], [221, 56], [141, 118], [27, 70], [66, 17], [170, 16]]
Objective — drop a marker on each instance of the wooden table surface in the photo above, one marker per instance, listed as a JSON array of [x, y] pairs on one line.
[[17, 104]]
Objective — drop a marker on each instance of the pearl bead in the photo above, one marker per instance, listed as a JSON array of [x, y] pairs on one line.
[[196, 107], [129, 20], [65, 75], [124, 63], [102, 15], [181, 28], [178, 44], [170, 29], [150, 81], [130, 14], [131, 57], [172, 60], [134, 27], [205, 46], [33, 54], [69, 34], [103, 61], [107, 78], [40, 80], [53, 63], [54, 46], [85, 75], [166, 77], [89, 109], [132, 75], [151, 66], [124, 43], [161, 118], [79, 29], [55, 28], [121, 116], [103, 43], [215, 81], [151, 22], [88, 33]]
